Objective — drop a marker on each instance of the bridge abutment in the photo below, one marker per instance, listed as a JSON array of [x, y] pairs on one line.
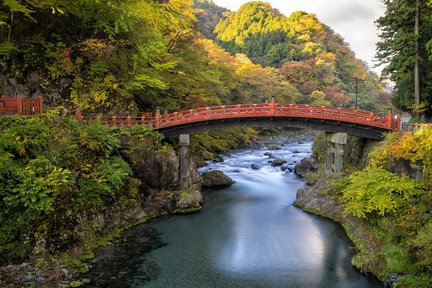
[[184, 156], [336, 145]]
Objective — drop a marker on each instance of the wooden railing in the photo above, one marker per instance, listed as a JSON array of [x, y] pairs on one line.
[[19, 105], [266, 110], [145, 119]]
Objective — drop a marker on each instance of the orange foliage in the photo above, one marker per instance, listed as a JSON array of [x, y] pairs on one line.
[[336, 95], [406, 148]]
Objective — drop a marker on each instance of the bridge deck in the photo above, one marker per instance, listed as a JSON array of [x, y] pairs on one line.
[[270, 110]]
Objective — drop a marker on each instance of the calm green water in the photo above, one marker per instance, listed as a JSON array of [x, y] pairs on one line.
[[248, 235]]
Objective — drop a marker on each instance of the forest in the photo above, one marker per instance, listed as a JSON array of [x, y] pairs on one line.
[[132, 56]]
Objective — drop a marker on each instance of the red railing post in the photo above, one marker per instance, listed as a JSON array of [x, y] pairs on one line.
[[40, 104], [142, 119], [272, 106], [389, 121], [78, 116], [19, 103], [157, 119]]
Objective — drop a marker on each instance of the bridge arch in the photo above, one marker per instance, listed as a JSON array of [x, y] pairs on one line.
[[289, 122], [331, 119], [338, 121]]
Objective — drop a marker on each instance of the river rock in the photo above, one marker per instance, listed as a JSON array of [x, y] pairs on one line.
[[284, 168], [391, 281], [296, 151], [267, 154], [219, 159], [190, 199], [278, 162], [256, 166], [307, 165], [275, 147], [313, 200], [216, 178]]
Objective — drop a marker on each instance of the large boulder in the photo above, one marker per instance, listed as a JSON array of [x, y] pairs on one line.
[[319, 199], [278, 162], [188, 201], [216, 178], [307, 165]]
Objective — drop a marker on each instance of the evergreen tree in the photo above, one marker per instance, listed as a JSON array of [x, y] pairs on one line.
[[397, 50]]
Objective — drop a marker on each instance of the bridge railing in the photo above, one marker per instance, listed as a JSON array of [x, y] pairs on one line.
[[279, 110], [272, 109], [20, 105], [213, 113], [337, 114], [145, 119]]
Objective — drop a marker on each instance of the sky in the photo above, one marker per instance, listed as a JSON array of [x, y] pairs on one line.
[[352, 19]]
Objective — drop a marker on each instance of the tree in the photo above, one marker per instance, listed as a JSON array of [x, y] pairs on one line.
[[401, 48], [318, 98]]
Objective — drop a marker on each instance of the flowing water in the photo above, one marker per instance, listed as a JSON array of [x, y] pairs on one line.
[[248, 235]]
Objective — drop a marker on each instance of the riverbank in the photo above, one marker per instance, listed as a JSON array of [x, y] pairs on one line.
[[385, 208], [318, 198], [67, 189]]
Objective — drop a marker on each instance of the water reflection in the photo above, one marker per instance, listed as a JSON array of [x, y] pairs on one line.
[[250, 235]]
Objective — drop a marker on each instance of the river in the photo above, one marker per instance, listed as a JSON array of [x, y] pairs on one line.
[[248, 235]]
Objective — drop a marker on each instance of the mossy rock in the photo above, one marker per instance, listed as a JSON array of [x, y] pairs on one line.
[[216, 178]]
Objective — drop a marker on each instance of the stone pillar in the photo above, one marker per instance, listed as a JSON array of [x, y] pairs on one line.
[[329, 165], [184, 142], [335, 151]]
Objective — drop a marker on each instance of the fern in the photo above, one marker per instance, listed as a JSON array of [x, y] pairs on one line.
[[16, 6]]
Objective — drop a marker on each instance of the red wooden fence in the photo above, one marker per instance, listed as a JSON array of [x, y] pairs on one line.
[[388, 122], [19, 105]]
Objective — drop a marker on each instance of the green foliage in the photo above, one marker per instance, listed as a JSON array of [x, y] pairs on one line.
[[40, 183], [319, 147], [397, 50], [411, 281], [396, 209], [113, 51], [98, 139], [101, 183], [318, 98], [422, 245], [324, 61], [377, 192], [206, 145], [414, 148], [49, 165]]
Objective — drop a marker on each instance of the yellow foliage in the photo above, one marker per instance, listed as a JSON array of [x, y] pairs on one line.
[[413, 147]]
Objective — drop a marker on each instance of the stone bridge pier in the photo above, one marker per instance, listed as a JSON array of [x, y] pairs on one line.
[[185, 182], [336, 146]]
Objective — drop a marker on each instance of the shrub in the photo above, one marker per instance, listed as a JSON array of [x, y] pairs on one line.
[[375, 191]]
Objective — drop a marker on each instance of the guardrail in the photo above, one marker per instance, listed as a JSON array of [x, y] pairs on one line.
[[20, 105], [388, 122]]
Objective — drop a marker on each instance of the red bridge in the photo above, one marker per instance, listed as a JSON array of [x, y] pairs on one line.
[[331, 119]]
